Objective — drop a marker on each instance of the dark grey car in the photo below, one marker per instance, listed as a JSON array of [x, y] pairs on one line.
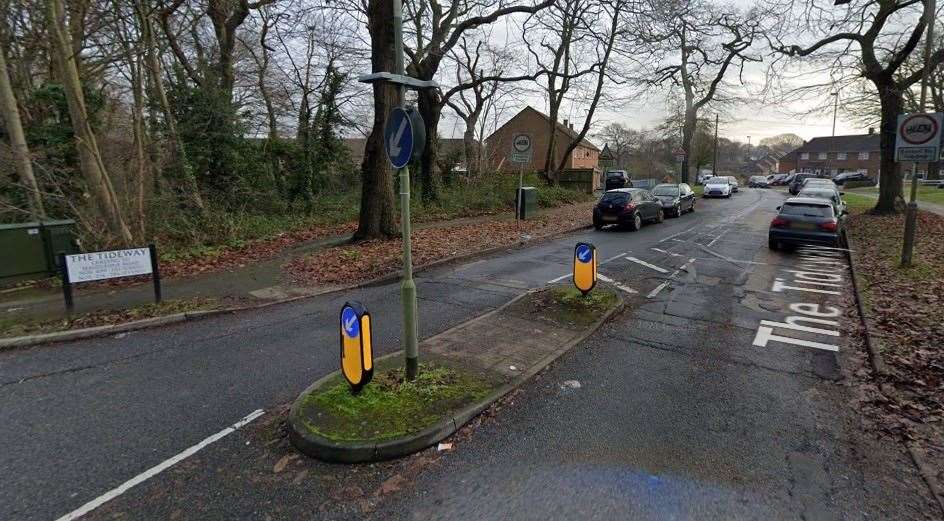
[[629, 207], [806, 220], [676, 199]]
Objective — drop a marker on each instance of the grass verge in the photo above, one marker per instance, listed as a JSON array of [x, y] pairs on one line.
[[13, 327], [566, 306], [390, 407]]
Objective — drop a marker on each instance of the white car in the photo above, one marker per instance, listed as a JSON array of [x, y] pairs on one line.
[[717, 187]]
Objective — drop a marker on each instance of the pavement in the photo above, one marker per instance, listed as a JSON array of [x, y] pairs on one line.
[[718, 393]]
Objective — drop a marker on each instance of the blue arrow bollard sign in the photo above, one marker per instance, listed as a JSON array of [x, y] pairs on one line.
[[398, 137]]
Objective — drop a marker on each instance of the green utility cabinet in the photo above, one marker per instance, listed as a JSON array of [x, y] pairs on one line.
[[526, 202], [33, 248]]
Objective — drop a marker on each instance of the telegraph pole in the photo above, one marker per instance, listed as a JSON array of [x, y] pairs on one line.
[[911, 213], [835, 109], [714, 161]]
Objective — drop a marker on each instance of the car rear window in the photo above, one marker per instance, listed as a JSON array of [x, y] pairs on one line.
[[806, 210], [614, 174], [822, 194], [615, 197], [665, 190]]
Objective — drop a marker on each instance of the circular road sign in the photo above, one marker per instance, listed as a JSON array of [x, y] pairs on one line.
[[918, 129], [350, 323], [522, 142], [584, 254]]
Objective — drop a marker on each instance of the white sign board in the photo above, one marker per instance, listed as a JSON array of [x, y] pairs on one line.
[[98, 265], [918, 137], [521, 148]]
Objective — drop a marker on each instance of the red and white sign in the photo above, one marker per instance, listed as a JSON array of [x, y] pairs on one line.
[[918, 137]]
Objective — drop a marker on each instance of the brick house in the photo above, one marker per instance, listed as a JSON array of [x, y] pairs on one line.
[[828, 156], [586, 156]]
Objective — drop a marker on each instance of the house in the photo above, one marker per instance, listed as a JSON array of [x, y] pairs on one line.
[[585, 157], [448, 148], [828, 156], [607, 161]]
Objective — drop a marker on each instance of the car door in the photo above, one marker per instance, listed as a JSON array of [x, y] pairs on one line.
[[687, 195], [648, 203]]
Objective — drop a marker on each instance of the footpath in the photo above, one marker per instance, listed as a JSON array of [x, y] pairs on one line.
[[271, 279]]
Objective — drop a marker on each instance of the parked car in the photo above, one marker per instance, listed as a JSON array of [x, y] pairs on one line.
[[717, 187], [617, 179], [758, 181], [675, 198], [630, 207], [817, 182], [797, 182], [733, 182], [842, 178], [830, 194], [703, 177], [778, 179], [806, 220]]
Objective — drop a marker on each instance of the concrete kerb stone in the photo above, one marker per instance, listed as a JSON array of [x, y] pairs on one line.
[[7, 344], [328, 450]]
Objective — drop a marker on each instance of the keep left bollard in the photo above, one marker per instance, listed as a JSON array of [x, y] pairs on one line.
[[585, 267], [357, 358]]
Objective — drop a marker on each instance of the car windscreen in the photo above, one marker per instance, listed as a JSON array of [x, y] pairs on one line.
[[806, 210], [615, 174], [717, 181], [821, 194], [665, 190], [615, 197]]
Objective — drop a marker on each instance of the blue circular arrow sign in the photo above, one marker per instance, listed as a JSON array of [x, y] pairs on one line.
[[583, 253], [398, 137], [350, 323]]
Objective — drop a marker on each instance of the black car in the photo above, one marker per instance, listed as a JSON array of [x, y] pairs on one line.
[[629, 207], [842, 178], [675, 198], [797, 182], [758, 181], [806, 220], [616, 179]]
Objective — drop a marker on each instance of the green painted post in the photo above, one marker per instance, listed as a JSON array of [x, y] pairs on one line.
[[407, 286]]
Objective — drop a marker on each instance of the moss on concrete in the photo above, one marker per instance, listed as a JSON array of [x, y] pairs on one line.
[[389, 406], [566, 306]]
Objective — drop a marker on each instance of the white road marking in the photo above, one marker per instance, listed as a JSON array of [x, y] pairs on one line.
[[558, 279], [618, 284], [670, 237], [720, 235], [157, 469], [666, 252], [662, 286], [613, 258], [646, 264]]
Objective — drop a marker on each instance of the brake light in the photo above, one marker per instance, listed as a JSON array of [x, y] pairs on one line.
[[830, 226], [629, 207], [779, 222]]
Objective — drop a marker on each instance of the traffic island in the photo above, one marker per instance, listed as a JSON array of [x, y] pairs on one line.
[[465, 369]]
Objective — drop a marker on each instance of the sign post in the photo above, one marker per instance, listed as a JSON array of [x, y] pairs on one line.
[[522, 149], [404, 136], [921, 131], [110, 264]]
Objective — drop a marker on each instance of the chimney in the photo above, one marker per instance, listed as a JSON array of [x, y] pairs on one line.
[[567, 123], [871, 130], [570, 126]]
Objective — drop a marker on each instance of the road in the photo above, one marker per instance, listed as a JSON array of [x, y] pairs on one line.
[[679, 413]]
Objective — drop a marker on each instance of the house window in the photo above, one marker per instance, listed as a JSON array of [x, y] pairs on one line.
[[863, 155], [805, 155], [822, 155], [841, 156]]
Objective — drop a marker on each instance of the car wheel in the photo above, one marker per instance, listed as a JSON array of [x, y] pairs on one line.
[[677, 211], [773, 245], [597, 225], [692, 209], [637, 222], [660, 216]]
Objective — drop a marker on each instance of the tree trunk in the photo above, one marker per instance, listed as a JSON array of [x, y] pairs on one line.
[[21, 154], [90, 157], [179, 155], [471, 149], [890, 198], [377, 205], [430, 108]]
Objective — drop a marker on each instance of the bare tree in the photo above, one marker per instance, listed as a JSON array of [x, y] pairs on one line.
[[694, 46], [435, 30], [21, 154], [90, 157], [886, 33]]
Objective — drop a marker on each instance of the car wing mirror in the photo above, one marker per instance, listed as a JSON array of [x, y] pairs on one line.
[[779, 207]]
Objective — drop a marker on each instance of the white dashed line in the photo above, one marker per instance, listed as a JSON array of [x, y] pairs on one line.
[[660, 287], [646, 264], [666, 252], [619, 285], [157, 469]]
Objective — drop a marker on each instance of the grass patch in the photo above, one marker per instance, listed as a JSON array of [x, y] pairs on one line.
[[389, 406], [13, 327], [566, 306], [858, 203], [931, 194], [699, 190]]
